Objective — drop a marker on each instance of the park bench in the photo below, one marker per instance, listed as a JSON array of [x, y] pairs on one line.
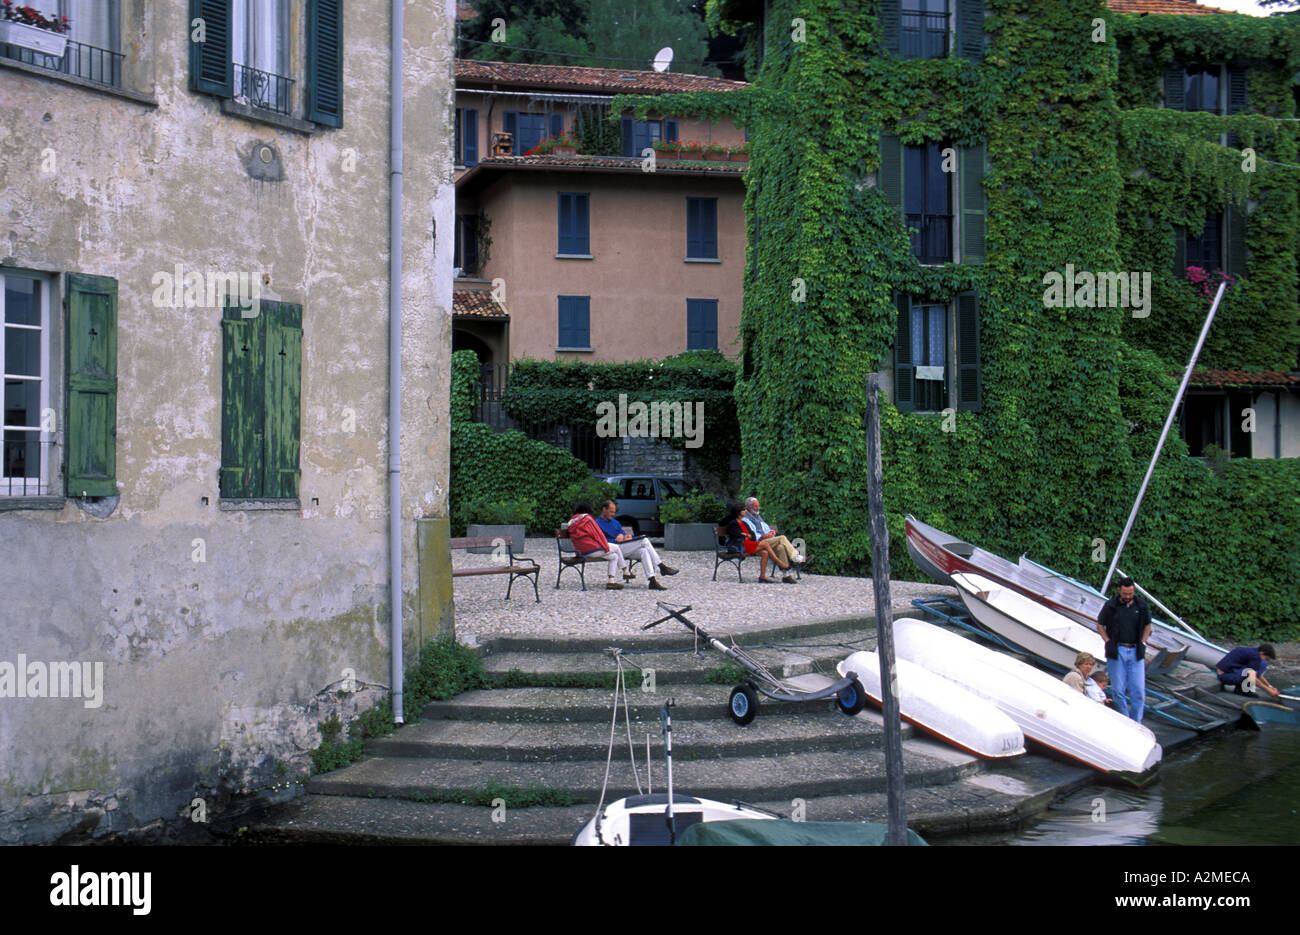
[[722, 554], [571, 559], [510, 566]]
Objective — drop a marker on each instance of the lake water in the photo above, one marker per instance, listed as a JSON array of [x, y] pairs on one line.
[[1234, 787]]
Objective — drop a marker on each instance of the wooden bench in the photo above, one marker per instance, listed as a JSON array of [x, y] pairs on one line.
[[571, 559], [722, 554], [509, 567]]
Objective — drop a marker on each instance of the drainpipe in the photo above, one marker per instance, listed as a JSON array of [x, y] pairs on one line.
[[395, 360]]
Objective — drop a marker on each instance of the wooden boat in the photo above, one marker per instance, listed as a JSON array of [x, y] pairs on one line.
[[1026, 624], [940, 707], [1199, 649], [1256, 714], [941, 556], [1046, 709]]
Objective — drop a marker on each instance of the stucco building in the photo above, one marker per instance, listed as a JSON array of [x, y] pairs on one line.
[[194, 509]]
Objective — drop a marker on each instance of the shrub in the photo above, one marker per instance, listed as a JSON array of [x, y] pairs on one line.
[[492, 512], [694, 508], [464, 385]]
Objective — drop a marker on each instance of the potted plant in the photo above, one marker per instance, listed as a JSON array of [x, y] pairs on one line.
[[691, 149], [716, 152], [563, 145], [500, 519], [28, 28], [667, 149], [739, 153], [689, 521]]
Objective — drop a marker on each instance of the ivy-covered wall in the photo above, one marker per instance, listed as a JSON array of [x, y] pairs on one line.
[[1072, 398]]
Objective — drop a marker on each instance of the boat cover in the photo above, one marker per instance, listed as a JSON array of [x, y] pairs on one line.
[[785, 833]]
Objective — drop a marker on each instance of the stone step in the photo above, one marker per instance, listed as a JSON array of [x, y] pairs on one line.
[[768, 778], [553, 742]]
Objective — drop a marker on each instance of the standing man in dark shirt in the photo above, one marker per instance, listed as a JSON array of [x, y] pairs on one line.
[[1125, 624]]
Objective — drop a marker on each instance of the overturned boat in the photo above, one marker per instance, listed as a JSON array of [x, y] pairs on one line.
[[941, 707], [1047, 710]]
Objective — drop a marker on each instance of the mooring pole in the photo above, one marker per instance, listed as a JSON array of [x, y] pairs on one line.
[[884, 621], [1155, 455]]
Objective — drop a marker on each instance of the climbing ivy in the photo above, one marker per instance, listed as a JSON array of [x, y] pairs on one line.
[[1083, 171]]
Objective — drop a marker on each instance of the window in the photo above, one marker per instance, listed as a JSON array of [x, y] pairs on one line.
[[1205, 251], [1215, 418], [246, 51], [1217, 89], [638, 488], [466, 250], [1220, 245], [466, 136], [702, 228], [937, 354], [918, 181], [527, 129], [25, 352], [701, 324], [575, 323], [933, 28], [94, 41], [639, 135], [575, 228], [261, 378]]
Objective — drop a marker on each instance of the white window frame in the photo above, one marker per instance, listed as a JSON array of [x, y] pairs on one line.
[[46, 441], [259, 35]]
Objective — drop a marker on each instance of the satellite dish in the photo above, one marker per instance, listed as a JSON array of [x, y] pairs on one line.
[[663, 58]]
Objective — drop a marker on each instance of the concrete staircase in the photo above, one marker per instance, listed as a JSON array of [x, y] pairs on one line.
[[806, 759]]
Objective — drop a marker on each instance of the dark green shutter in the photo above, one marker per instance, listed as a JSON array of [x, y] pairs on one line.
[[970, 30], [1175, 90], [242, 408], [1237, 98], [1236, 241], [325, 62], [211, 70], [90, 465], [891, 25], [629, 142], [282, 395], [968, 352], [974, 205], [891, 172], [1180, 252], [904, 369]]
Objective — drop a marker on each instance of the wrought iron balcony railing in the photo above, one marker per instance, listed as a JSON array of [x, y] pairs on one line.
[[88, 62], [263, 90]]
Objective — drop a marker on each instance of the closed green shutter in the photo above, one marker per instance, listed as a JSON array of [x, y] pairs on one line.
[[969, 396], [90, 465], [904, 370], [211, 70], [242, 407], [1237, 98], [891, 25], [1236, 241], [974, 205], [970, 30], [282, 395], [1175, 89], [325, 62], [891, 172]]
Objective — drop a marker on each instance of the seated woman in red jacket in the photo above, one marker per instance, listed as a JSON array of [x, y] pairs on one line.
[[739, 536], [588, 541]]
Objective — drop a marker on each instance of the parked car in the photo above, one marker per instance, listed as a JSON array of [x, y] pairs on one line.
[[641, 495]]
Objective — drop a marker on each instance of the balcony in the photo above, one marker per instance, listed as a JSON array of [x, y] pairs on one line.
[[87, 62], [263, 90]]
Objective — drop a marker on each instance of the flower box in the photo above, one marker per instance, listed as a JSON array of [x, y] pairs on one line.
[[739, 157], [561, 150], [692, 153], [44, 41], [714, 155]]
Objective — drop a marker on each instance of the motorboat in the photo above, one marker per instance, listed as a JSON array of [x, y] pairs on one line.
[[1044, 708], [940, 707]]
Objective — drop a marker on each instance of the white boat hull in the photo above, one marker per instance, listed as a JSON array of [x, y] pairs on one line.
[[941, 707], [1045, 709], [642, 819], [1035, 628]]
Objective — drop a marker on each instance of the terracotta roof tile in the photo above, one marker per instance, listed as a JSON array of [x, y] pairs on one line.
[[1244, 378], [1179, 7], [575, 78], [477, 305]]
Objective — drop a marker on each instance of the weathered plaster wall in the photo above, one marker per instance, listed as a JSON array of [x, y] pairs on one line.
[[215, 669]]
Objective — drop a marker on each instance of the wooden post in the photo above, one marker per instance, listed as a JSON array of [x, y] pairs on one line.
[[884, 621]]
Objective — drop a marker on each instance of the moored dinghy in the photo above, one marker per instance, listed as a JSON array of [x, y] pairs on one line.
[[1046, 709], [941, 707]]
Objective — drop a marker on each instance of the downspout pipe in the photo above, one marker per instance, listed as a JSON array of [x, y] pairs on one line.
[[395, 359]]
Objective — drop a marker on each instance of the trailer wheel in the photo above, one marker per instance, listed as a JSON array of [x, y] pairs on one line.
[[852, 698], [743, 705]]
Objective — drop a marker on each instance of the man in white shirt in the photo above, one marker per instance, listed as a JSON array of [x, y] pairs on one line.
[[764, 532]]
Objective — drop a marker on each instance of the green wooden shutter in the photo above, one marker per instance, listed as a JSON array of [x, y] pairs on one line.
[[1180, 252], [891, 172], [282, 396], [1175, 90], [90, 452], [891, 25], [904, 369], [974, 205], [211, 70], [325, 62], [970, 30], [1238, 100], [242, 406], [1236, 241], [969, 394]]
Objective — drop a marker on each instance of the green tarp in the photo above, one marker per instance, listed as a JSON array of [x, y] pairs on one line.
[[785, 833]]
